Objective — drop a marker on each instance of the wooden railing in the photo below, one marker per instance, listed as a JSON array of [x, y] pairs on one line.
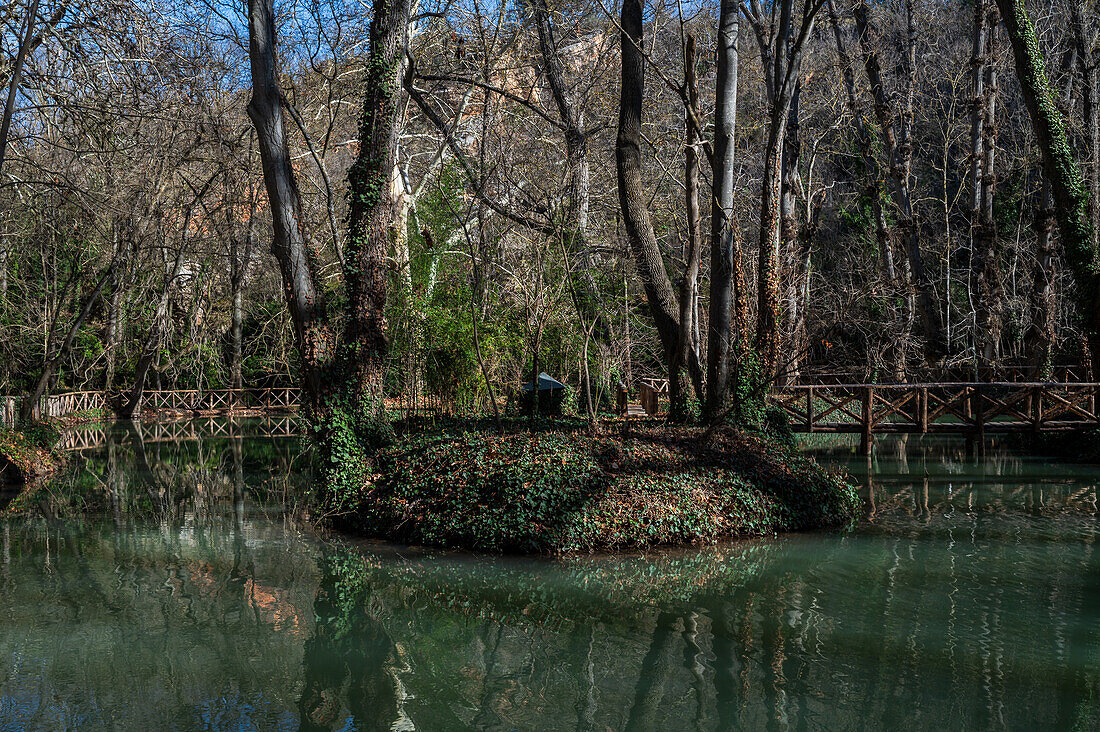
[[1062, 373], [175, 401], [649, 394], [62, 405], [220, 400], [966, 409]]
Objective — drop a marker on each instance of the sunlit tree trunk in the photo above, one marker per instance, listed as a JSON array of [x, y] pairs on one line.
[[633, 201], [727, 320], [305, 300]]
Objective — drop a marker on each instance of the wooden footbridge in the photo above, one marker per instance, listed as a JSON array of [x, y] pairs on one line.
[[179, 401], [972, 410]]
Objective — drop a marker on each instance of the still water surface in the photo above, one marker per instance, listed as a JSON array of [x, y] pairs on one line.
[[169, 585]]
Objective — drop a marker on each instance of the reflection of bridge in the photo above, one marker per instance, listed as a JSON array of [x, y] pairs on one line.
[[91, 437], [164, 401], [968, 409]]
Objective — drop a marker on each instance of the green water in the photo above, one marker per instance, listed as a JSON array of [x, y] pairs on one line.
[[174, 585]]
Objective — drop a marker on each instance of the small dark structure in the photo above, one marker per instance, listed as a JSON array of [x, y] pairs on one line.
[[550, 391]]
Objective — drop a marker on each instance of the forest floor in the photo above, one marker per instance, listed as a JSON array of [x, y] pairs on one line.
[[557, 488]]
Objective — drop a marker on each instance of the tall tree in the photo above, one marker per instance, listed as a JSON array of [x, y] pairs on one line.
[[305, 299], [983, 228], [1069, 193], [894, 114], [782, 38], [728, 317], [371, 212], [633, 201]]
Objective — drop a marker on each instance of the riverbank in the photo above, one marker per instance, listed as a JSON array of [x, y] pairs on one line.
[[559, 489], [29, 453]]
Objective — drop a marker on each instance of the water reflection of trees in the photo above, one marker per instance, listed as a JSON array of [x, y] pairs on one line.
[[968, 606], [152, 586], [168, 585]]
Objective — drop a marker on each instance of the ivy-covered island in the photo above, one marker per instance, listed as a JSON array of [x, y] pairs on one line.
[[555, 487]]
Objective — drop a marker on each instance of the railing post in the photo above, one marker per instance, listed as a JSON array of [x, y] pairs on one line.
[[867, 437], [1036, 408], [809, 409], [922, 407]]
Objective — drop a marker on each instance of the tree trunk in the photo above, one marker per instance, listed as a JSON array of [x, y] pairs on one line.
[[632, 196], [305, 301], [793, 242], [784, 57], [897, 141], [873, 182], [767, 288], [16, 78], [1084, 39], [1042, 329], [114, 319], [689, 285], [728, 318], [1068, 189], [984, 275], [3, 270], [371, 212], [236, 326]]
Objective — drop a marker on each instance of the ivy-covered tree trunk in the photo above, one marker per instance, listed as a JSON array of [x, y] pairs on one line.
[[371, 214], [1070, 196], [781, 52]]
